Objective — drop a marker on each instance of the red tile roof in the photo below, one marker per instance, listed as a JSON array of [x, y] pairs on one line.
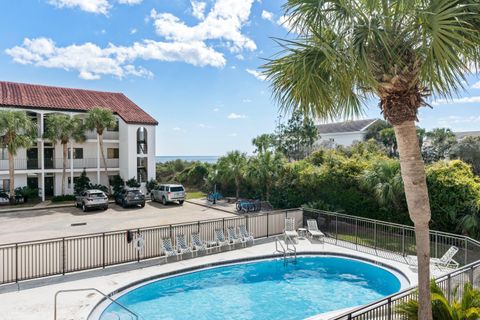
[[56, 98]]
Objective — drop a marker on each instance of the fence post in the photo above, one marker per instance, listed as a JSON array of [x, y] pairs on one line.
[[356, 233], [103, 250], [403, 241], [247, 224], [223, 224], [138, 251], [471, 275], [375, 234], [336, 229], [198, 226], [436, 245], [466, 251], [389, 309], [267, 224], [16, 262], [448, 287], [63, 256], [170, 231]]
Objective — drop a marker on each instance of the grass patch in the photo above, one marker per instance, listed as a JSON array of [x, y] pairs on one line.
[[193, 194]]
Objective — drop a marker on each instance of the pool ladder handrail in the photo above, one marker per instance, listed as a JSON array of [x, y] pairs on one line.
[[286, 251], [130, 312]]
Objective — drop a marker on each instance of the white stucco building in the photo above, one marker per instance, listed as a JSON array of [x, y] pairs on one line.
[[129, 148], [343, 133]]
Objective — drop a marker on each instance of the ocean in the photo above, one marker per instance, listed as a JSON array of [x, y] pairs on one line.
[[207, 159]]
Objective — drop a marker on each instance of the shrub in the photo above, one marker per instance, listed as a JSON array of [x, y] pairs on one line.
[[27, 193], [65, 197], [98, 187], [132, 183], [152, 184], [117, 184], [82, 183]]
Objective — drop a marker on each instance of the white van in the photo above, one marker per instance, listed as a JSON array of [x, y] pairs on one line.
[[165, 193]]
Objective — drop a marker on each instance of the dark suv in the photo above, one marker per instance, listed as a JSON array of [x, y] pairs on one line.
[[130, 197]]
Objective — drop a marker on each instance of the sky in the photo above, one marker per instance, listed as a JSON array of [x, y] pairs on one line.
[[192, 64]]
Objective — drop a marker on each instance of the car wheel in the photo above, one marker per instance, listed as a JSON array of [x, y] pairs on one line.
[[181, 202], [84, 207], [105, 208], [164, 201], [142, 205]]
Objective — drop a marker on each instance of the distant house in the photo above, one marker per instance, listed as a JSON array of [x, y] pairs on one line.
[[129, 147], [343, 133], [462, 135]]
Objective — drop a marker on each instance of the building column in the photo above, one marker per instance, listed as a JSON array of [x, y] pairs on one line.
[[98, 160], [42, 159], [71, 167]]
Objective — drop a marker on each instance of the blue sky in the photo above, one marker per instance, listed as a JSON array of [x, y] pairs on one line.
[[190, 64]]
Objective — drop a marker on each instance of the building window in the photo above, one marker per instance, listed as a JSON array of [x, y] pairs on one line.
[[142, 169], [142, 141], [77, 153], [113, 153], [5, 184]]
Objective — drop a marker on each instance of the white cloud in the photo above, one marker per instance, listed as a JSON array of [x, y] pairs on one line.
[[240, 57], [450, 120], [130, 2], [476, 85], [474, 99], [204, 126], [93, 6], [198, 9], [223, 22], [266, 15], [256, 74], [233, 116], [133, 31], [285, 23], [92, 61], [246, 100], [216, 109], [177, 129], [233, 134]]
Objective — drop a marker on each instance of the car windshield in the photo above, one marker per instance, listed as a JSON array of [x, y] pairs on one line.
[[97, 195], [176, 189], [134, 192]]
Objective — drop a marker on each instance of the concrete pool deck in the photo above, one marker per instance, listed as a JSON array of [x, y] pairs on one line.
[[35, 299]]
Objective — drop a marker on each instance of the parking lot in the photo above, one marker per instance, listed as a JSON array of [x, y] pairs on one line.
[[50, 223]]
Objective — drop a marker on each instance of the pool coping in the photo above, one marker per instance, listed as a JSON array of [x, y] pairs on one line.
[[98, 309]]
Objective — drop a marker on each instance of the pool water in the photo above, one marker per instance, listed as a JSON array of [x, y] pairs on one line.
[[266, 289]]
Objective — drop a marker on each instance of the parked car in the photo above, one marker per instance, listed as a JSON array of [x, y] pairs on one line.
[[4, 197], [130, 197], [91, 199], [169, 193]]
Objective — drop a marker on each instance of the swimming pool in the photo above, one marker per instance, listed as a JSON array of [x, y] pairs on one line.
[[266, 289]]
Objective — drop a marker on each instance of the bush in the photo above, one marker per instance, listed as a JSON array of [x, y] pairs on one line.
[[98, 187], [118, 184], [132, 183], [66, 197], [152, 184], [27, 193], [82, 183]]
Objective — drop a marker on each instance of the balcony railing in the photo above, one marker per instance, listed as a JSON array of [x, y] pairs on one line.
[[107, 135], [57, 163]]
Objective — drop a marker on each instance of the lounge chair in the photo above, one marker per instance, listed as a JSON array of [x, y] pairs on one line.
[[445, 261], [244, 234], [197, 243], [232, 236], [290, 229], [182, 246], [220, 238], [168, 247], [313, 229]]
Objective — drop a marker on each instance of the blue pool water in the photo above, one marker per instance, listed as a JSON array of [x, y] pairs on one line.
[[260, 290]]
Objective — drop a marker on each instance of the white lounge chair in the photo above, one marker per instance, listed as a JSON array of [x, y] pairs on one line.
[[232, 236], [182, 246], [197, 243], [244, 234], [220, 238], [289, 230], [168, 247], [445, 261], [313, 229]]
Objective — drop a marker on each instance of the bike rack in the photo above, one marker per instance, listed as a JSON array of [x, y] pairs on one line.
[[130, 312]]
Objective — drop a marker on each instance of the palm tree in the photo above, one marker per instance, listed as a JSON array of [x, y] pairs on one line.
[[100, 119], [17, 130], [385, 181], [62, 128], [400, 51], [264, 169], [233, 165], [263, 142]]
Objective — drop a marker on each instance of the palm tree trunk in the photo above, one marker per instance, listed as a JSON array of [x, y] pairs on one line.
[[237, 188], [11, 177], [416, 192], [64, 168], [100, 140]]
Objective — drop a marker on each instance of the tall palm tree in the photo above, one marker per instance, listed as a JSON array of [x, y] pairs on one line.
[[233, 165], [400, 51], [100, 119], [264, 169], [62, 128], [17, 130]]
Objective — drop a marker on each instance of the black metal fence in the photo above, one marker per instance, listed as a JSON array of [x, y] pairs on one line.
[[395, 241], [58, 256]]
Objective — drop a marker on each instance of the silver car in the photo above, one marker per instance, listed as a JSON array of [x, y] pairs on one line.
[[92, 199], [169, 193]]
